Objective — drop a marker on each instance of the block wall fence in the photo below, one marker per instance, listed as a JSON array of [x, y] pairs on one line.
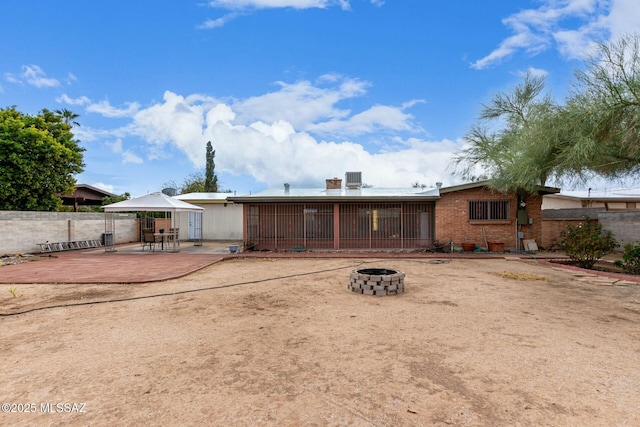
[[21, 231], [624, 225]]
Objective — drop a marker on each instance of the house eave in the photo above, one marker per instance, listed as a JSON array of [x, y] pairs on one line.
[[540, 189], [331, 199]]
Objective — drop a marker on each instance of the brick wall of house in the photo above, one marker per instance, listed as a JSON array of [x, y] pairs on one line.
[[453, 223]]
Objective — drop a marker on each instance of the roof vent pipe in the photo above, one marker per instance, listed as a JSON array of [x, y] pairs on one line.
[[286, 188], [439, 185]]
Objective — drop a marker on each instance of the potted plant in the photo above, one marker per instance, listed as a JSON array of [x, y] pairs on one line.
[[468, 247], [496, 246]]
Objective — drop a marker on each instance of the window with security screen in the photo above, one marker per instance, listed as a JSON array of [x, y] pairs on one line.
[[488, 210]]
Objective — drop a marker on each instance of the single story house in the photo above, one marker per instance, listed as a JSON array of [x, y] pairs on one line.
[[85, 195], [616, 210], [221, 218], [356, 217], [609, 200]]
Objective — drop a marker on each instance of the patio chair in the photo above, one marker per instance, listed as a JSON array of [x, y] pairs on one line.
[[174, 234], [148, 239]]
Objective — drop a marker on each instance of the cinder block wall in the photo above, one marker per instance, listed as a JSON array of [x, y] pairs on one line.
[[21, 231], [624, 225], [452, 219]]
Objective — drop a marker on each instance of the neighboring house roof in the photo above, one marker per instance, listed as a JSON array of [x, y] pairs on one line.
[[542, 190], [617, 195], [342, 194], [203, 198], [154, 202], [85, 194]]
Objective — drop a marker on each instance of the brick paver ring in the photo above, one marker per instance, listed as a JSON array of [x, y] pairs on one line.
[[376, 281]]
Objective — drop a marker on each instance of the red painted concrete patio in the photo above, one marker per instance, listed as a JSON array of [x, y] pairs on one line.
[[129, 264]]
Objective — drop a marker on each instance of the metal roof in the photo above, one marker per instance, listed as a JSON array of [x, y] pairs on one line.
[[203, 197], [343, 194], [542, 190], [614, 195]]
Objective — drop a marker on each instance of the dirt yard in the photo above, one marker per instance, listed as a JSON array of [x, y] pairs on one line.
[[282, 342]]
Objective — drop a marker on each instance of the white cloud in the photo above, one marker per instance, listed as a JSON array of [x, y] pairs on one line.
[[129, 157], [64, 98], [71, 78], [623, 18], [178, 120], [246, 6], [376, 118], [570, 26], [277, 145], [524, 40], [115, 146], [536, 72], [217, 23], [103, 186], [301, 104], [107, 110], [36, 77], [272, 4], [11, 78], [32, 75]]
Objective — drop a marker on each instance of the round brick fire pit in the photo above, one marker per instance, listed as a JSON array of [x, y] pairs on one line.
[[376, 281]]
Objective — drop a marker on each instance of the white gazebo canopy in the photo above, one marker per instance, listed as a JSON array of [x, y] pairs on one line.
[[154, 202]]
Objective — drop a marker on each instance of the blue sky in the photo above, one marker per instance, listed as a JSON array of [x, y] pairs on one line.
[[290, 91]]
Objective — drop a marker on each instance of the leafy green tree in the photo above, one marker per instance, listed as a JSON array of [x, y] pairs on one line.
[[604, 111], [193, 183], [514, 142], [38, 162], [115, 199], [210, 178], [595, 132]]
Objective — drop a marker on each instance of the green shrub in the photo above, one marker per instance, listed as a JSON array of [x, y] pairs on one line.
[[586, 243], [630, 259]]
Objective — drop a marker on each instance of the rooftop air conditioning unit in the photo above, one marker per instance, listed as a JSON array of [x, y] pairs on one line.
[[353, 180]]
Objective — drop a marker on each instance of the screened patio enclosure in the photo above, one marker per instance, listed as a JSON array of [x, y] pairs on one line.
[[339, 226]]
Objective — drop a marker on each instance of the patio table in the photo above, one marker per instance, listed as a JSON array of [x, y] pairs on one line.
[[167, 237]]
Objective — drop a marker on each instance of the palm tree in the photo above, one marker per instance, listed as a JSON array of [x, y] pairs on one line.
[[69, 117]]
